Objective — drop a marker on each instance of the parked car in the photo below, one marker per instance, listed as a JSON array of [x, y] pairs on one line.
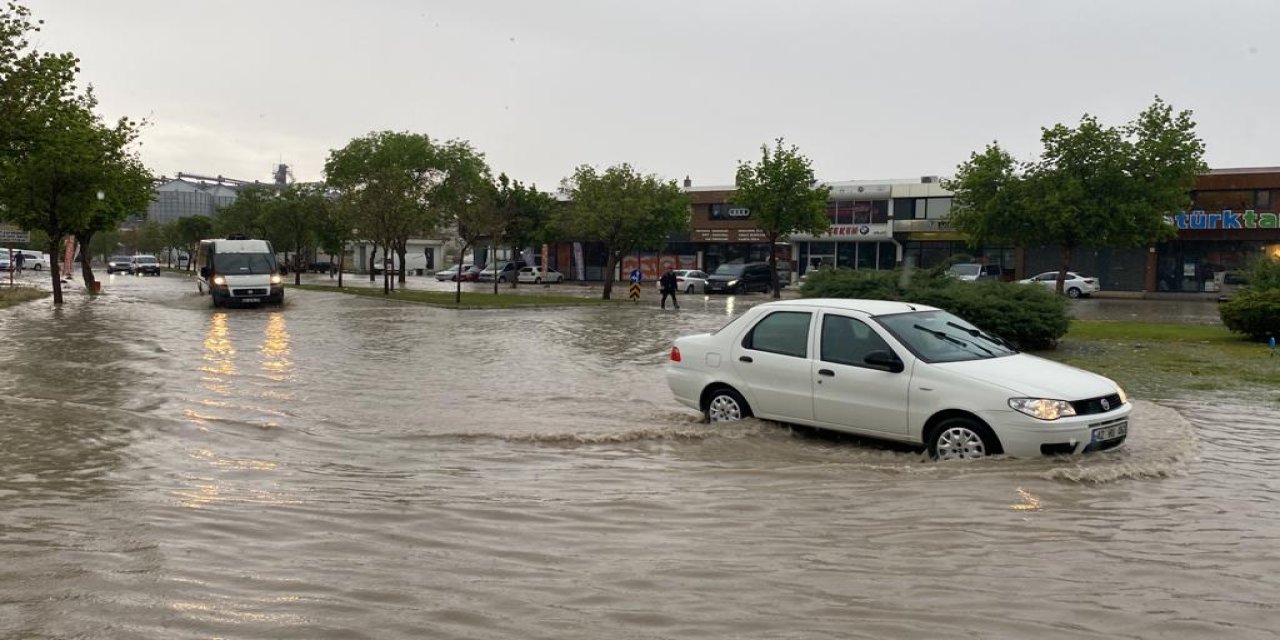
[[451, 274], [502, 271], [31, 259], [120, 264], [5, 264], [739, 277], [973, 271], [536, 275], [688, 281], [1229, 283], [1074, 286], [143, 264], [897, 371]]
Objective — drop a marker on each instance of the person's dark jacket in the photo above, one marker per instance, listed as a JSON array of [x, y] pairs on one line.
[[668, 281]]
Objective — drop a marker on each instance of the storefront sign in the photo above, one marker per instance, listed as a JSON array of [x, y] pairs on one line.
[[726, 211], [1225, 219], [729, 235], [13, 235], [849, 231]]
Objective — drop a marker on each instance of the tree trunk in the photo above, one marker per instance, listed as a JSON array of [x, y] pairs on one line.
[[54, 264], [342, 259], [373, 253], [515, 277], [1062, 270], [86, 271], [609, 267], [386, 273], [401, 250], [297, 266], [457, 278], [773, 266]]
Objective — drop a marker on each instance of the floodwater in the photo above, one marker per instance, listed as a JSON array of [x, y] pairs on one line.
[[347, 468]]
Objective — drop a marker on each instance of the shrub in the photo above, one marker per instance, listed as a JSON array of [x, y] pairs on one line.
[[1263, 275], [1253, 312], [1029, 316]]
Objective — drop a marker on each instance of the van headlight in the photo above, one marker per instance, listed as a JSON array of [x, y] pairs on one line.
[[276, 279], [733, 283], [219, 280], [1042, 408]]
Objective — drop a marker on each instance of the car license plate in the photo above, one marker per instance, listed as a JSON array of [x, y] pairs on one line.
[[260, 300], [1110, 433]]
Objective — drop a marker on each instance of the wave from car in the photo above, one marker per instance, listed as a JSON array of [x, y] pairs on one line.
[[896, 371]]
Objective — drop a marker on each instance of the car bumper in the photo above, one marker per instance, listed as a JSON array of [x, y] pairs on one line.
[[686, 385], [1025, 437]]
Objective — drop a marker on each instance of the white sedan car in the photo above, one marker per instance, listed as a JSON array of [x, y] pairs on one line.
[[898, 371], [537, 275], [1075, 285], [688, 281]]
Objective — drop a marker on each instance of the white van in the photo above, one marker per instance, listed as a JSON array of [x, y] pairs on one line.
[[239, 271], [33, 260]]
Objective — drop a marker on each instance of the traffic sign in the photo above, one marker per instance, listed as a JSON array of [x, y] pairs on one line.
[[635, 291]]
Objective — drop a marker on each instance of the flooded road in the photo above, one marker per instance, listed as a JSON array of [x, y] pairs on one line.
[[347, 468]]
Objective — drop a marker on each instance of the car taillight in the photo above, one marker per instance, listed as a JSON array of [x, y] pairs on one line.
[[1090, 281], [675, 354]]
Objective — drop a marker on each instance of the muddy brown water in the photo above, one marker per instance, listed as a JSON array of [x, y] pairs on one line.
[[347, 468]]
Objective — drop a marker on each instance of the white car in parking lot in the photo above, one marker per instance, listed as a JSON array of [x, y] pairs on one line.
[[898, 371], [1074, 286], [536, 275]]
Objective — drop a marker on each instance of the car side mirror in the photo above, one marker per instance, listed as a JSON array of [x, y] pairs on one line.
[[884, 360], [204, 272]]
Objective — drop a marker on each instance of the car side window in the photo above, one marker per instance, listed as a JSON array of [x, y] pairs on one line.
[[784, 332], [848, 340]]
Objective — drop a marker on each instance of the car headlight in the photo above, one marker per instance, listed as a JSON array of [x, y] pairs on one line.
[[1042, 408], [733, 283], [276, 279], [1124, 397], [219, 280]]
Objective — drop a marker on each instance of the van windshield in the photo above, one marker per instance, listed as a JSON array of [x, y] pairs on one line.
[[242, 263], [966, 269], [730, 269]]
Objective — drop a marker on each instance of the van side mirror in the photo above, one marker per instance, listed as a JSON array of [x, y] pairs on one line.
[[884, 360], [204, 272]]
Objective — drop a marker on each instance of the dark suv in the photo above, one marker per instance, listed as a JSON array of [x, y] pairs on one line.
[[738, 277]]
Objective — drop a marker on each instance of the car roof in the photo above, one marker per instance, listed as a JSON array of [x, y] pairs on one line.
[[869, 307]]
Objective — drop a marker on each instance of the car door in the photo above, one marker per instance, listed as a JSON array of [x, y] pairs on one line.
[[772, 359], [849, 394]]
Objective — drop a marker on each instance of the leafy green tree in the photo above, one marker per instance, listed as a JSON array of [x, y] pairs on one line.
[[189, 231], [246, 215], [126, 189], [1093, 185], [388, 178], [466, 200], [292, 219], [32, 84], [335, 230], [103, 244], [784, 198], [523, 215], [623, 210]]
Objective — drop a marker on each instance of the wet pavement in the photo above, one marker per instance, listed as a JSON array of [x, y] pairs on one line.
[[344, 467]]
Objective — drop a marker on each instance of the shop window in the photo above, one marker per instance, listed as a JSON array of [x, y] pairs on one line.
[[904, 208], [1236, 200], [1262, 200], [879, 211]]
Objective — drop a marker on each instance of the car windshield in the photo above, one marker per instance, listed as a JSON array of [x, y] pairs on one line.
[[243, 263], [965, 269], [730, 269], [938, 336], [120, 258], [146, 260]]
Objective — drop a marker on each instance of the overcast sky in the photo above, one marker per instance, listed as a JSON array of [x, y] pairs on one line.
[[867, 90]]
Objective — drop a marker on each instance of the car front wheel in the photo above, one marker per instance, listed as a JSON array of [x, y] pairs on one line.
[[1073, 292], [962, 439], [726, 405]]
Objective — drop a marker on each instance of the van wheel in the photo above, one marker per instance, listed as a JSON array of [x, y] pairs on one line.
[[1073, 292], [38, 268], [962, 439], [689, 290], [537, 280], [726, 405]]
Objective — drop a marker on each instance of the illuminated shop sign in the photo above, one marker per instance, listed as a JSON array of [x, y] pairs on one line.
[[1226, 219]]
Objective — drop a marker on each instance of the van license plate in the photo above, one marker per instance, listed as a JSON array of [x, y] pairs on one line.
[[260, 300], [1110, 433]]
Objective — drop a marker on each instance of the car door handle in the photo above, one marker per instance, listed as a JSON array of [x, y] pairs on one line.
[[745, 359], [826, 372]]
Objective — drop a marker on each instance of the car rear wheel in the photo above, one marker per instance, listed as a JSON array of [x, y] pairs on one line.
[[537, 280], [689, 289], [1073, 292], [962, 439], [38, 267], [726, 405]]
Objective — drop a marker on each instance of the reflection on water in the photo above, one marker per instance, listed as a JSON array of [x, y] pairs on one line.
[[526, 474]]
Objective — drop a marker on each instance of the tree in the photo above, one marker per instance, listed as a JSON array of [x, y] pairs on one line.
[[388, 178], [623, 210], [522, 216], [103, 244], [335, 230], [783, 197], [56, 155], [1092, 185], [466, 199], [190, 231], [292, 219], [126, 189], [245, 215]]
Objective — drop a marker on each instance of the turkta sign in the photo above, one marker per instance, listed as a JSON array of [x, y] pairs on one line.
[[1226, 219]]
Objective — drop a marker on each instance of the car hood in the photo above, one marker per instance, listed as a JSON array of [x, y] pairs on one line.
[[718, 277], [1034, 377]]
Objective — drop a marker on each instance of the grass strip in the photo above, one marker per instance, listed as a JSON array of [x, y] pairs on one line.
[[10, 296]]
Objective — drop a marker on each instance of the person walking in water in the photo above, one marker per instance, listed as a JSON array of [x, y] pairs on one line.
[[668, 283]]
